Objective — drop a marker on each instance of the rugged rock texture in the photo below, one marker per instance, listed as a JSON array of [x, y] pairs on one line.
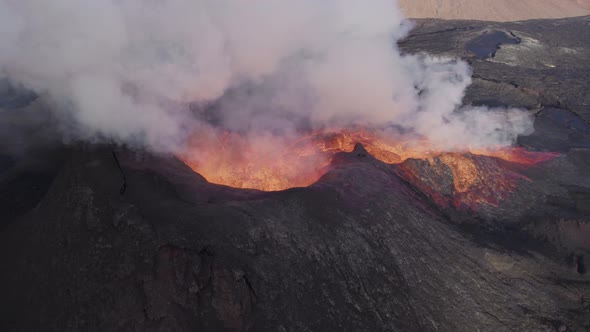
[[548, 67], [96, 241]]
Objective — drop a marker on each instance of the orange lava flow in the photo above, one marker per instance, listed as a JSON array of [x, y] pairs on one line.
[[272, 163]]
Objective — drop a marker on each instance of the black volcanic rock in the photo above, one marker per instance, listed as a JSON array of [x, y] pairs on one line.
[[359, 250], [548, 67], [366, 248], [486, 45]]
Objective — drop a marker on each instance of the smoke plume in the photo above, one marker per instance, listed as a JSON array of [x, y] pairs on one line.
[[153, 72]]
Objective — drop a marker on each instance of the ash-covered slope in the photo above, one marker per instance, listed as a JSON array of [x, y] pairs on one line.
[[370, 247], [359, 250]]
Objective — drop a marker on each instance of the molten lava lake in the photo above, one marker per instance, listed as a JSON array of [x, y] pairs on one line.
[[478, 175]]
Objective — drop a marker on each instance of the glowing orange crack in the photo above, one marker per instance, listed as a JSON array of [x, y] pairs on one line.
[[266, 164]]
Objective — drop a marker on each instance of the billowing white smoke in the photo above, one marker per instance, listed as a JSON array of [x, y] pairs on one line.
[[128, 70]]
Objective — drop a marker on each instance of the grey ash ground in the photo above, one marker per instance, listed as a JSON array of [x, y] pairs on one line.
[[364, 249]]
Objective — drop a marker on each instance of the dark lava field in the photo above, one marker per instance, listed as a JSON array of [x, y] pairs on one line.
[[100, 238]]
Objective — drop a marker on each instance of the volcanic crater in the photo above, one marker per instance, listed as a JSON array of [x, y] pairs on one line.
[[103, 238]]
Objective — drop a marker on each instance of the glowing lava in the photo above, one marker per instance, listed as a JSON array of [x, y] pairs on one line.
[[272, 163]]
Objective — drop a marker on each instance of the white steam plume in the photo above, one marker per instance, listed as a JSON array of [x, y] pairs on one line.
[[127, 70]]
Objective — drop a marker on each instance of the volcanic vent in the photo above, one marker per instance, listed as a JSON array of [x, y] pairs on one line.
[[478, 176]]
